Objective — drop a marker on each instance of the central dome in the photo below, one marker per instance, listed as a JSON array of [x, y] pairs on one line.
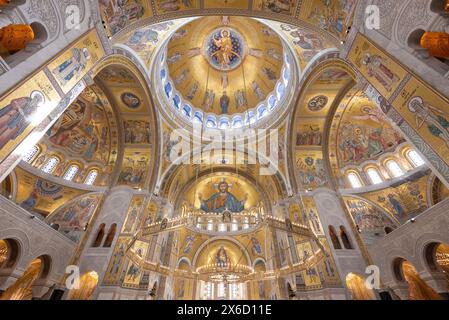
[[225, 72]]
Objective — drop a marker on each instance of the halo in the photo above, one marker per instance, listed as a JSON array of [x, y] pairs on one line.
[[414, 99], [37, 93], [86, 53], [225, 30], [217, 185], [366, 109]]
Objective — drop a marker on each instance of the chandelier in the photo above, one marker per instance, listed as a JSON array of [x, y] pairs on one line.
[[218, 272]]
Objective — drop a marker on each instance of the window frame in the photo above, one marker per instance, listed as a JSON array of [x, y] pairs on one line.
[[52, 169], [413, 162], [359, 181], [73, 175], [91, 171], [377, 173], [391, 171]]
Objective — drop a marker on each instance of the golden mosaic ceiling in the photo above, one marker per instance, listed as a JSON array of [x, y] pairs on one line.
[[225, 65], [333, 17]]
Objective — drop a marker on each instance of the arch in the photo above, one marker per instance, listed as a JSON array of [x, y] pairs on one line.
[[405, 272], [178, 171], [345, 238], [437, 191], [6, 187], [51, 164], [414, 39], [374, 175], [334, 238], [355, 283], [110, 237], [290, 291], [418, 289], [91, 177], [33, 45], [167, 179], [205, 244], [414, 158], [31, 154], [184, 261], [40, 32], [99, 238], [126, 61], [259, 264], [9, 253], [309, 87], [438, 6], [397, 269], [261, 285], [22, 289], [354, 180], [436, 255], [71, 172], [87, 285], [394, 169]]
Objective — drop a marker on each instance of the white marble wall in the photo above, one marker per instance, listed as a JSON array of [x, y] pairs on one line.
[[53, 16], [332, 213], [114, 210], [35, 238], [398, 21], [410, 242]]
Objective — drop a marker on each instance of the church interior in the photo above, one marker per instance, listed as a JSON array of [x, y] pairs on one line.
[[224, 150]]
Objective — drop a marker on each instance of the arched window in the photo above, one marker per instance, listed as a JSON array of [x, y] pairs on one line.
[[394, 168], [99, 237], [208, 291], [211, 122], [271, 102], [345, 238], [168, 90], [177, 101], [210, 225], [374, 176], [50, 165], [71, 172], [354, 180], [91, 177], [235, 291], [334, 238], [237, 122], [221, 292], [222, 227], [31, 154], [245, 223], [187, 110], [235, 225], [9, 253], [415, 159], [261, 112], [110, 236], [198, 118], [224, 123]]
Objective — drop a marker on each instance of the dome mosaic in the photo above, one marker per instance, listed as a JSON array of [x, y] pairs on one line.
[[207, 71]]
